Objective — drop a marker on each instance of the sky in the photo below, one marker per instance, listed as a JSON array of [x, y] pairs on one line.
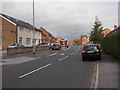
[[66, 19]]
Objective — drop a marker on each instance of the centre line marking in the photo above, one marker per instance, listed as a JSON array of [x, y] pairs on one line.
[[72, 53], [35, 70], [62, 58], [53, 54]]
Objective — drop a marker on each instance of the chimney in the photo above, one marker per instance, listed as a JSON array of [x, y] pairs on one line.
[[115, 26]]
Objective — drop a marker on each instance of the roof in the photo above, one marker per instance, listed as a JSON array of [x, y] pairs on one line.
[[19, 22], [84, 36], [106, 29]]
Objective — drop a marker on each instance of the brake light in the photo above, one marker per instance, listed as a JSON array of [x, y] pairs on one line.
[[97, 50], [83, 51]]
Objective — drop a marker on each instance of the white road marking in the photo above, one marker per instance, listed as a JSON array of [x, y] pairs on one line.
[[78, 49], [97, 77], [62, 54], [51, 55], [35, 70], [72, 53], [62, 58]]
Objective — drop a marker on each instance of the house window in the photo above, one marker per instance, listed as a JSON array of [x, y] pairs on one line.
[[20, 39], [28, 41]]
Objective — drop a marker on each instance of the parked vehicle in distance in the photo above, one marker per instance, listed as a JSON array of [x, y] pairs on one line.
[[91, 51], [56, 47], [44, 44], [15, 45]]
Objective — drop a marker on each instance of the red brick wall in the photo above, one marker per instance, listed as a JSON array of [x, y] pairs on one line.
[[8, 37]]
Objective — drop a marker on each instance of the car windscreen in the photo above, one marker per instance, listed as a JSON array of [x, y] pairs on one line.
[[13, 44], [90, 47]]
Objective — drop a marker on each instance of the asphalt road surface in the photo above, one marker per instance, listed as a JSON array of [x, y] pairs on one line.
[[63, 69]]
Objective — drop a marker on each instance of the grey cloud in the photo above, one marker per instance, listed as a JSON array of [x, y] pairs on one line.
[[65, 19]]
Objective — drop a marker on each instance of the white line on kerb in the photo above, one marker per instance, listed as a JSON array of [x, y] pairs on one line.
[[35, 70], [62, 58]]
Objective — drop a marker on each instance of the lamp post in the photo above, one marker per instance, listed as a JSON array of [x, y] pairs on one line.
[[33, 31]]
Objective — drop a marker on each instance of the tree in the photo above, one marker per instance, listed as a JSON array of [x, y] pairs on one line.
[[75, 42], [96, 36]]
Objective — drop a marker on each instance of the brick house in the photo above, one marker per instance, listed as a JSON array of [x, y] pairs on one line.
[[46, 36], [58, 39], [82, 40], [106, 31], [17, 31]]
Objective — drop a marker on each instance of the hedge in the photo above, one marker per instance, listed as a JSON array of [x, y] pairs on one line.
[[111, 44]]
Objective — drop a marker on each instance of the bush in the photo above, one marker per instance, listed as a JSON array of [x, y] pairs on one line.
[[111, 44]]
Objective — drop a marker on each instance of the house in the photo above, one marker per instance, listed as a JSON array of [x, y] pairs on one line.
[[58, 39], [0, 34], [52, 39], [82, 40], [47, 37], [17, 31], [106, 31]]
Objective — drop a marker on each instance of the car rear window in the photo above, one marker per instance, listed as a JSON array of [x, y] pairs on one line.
[[90, 47], [55, 44], [13, 44]]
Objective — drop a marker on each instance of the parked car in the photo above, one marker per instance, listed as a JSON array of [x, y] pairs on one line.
[[15, 45], [56, 47], [45, 44], [91, 51]]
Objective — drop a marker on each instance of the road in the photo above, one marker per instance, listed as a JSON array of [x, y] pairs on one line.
[[63, 69]]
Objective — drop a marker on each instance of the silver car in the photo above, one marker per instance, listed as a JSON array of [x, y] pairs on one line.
[[15, 45]]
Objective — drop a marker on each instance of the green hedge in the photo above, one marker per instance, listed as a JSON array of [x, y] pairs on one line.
[[111, 44]]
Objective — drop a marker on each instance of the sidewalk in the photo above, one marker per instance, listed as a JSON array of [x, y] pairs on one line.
[[3, 53], [108, 72], [23, 57]]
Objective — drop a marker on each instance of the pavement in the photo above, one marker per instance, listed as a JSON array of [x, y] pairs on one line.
[[108, 72], [58, 69], [22, 57]]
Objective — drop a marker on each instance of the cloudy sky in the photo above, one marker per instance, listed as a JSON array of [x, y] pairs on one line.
[[65, 19]]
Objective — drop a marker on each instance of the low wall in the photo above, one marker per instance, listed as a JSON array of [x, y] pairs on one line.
[[11, 51]]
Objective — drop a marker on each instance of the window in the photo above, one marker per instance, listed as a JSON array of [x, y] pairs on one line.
[[28, 41], [20, 39]]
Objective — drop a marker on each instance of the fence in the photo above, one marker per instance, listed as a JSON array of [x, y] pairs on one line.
[[111, 43]]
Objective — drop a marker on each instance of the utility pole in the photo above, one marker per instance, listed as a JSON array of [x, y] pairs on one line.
[[33, 31]]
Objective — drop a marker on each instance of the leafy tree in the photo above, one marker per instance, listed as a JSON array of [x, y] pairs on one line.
[[75, 42], [96, 36]]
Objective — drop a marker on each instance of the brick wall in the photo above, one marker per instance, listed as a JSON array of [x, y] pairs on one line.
[[7, 36]]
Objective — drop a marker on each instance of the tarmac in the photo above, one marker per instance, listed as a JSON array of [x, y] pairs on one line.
[[108, 66]]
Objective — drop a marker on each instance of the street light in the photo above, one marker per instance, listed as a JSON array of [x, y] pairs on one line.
[[33, 31]]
